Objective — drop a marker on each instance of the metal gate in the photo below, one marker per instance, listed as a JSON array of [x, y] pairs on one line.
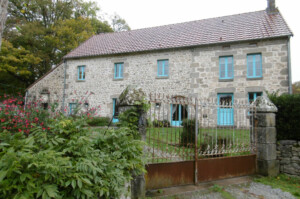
[[192, 140]]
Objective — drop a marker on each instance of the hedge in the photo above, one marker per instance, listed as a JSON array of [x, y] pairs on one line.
[[288, 116]]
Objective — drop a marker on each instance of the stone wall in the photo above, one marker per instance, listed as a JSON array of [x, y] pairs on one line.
[[53, 82], [192, 72], [288, 154]]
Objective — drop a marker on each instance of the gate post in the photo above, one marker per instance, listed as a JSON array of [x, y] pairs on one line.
[[264, 126], [131, 97]]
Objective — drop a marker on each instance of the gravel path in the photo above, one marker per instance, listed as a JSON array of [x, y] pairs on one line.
[[242, 191]]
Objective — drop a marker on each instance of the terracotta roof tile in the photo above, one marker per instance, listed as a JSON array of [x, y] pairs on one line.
[[240, 27]]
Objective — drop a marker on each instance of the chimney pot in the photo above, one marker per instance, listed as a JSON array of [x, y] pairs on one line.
[[271, 6]]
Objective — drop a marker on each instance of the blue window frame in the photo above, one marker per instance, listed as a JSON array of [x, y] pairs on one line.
[[163, 68], [252, 96], [81, 72], [254, 66], [226, 67], [114, 111], [119, 69], [72, 107]]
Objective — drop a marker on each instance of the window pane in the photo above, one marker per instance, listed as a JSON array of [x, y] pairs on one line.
[[251, 97], [166, 68], [121, 70], [258, 65], [116, 70], [83, 72], [160, 68], [230, 69], [222, 70], [250, 65]]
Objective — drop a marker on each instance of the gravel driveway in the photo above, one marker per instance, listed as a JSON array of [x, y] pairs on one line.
[[243, 191]]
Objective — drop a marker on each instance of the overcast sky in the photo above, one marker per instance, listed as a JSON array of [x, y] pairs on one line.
[[149, 13]]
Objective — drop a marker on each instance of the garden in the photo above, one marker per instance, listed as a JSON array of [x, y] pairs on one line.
[[45, 154]]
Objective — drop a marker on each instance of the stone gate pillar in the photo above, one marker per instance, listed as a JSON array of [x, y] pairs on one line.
[[265, 130], [131, 97]]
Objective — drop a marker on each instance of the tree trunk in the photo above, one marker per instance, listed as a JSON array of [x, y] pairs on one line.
[[3, 15]]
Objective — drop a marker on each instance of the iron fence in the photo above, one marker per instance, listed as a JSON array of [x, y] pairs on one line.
[[185, 128]]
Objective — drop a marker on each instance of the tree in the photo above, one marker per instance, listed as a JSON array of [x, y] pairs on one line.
[[296, 88], [16, 64], [119, 24], [3, 15]]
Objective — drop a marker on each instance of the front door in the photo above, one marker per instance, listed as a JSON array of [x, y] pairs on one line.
[[225, 109], [178, 113]]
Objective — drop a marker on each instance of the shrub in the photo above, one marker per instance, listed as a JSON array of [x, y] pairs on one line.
[[98, 121], [67, 162], [161, 123], [288, 116], [187, 136]]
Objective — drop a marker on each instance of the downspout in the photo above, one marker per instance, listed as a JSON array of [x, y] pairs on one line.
[[289, 66], [64, 89]]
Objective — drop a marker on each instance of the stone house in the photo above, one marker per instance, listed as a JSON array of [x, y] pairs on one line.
[[225, 58]]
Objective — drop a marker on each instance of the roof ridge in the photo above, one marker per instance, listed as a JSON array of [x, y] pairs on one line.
[[211, 18]]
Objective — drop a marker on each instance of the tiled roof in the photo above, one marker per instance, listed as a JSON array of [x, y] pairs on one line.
[[240, 27]]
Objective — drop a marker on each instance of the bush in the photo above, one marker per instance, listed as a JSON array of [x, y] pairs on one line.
[[68, 162], [187, 136], [161, 123], [98, 121], [288, 116]]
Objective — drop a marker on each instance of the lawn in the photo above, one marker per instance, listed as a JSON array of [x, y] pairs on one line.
[[283, 182], [166, 142]]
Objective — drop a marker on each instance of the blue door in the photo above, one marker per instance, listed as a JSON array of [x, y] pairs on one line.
[[225, 109], [178, 113]]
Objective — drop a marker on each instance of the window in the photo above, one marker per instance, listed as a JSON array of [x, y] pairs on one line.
[[163, 68], [254, 66], [119, 68], [72, 107], [45, 106], [252, 96], [115, 119], [226, 67], [81, 72]]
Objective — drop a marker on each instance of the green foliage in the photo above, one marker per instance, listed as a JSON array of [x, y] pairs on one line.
[[283, 182], [161, 123], [296, 87], [288, 116], [17, 63], [130, 119], [187, 136], [221, 190], [98, 121], [68, 162]]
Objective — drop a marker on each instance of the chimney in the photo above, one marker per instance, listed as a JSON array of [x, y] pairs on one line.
[[271, 7]]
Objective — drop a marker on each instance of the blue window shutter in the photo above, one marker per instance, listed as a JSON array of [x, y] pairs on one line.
[[121, 71], [230, 67], [250, 72], [222, 67], [258, 71], [166, 68]]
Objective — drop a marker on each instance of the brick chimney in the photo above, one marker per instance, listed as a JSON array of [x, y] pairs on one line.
[[271, 6]]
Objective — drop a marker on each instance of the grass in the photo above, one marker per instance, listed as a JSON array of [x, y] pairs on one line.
[[221, 190], [283, 182], [168, 140]]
